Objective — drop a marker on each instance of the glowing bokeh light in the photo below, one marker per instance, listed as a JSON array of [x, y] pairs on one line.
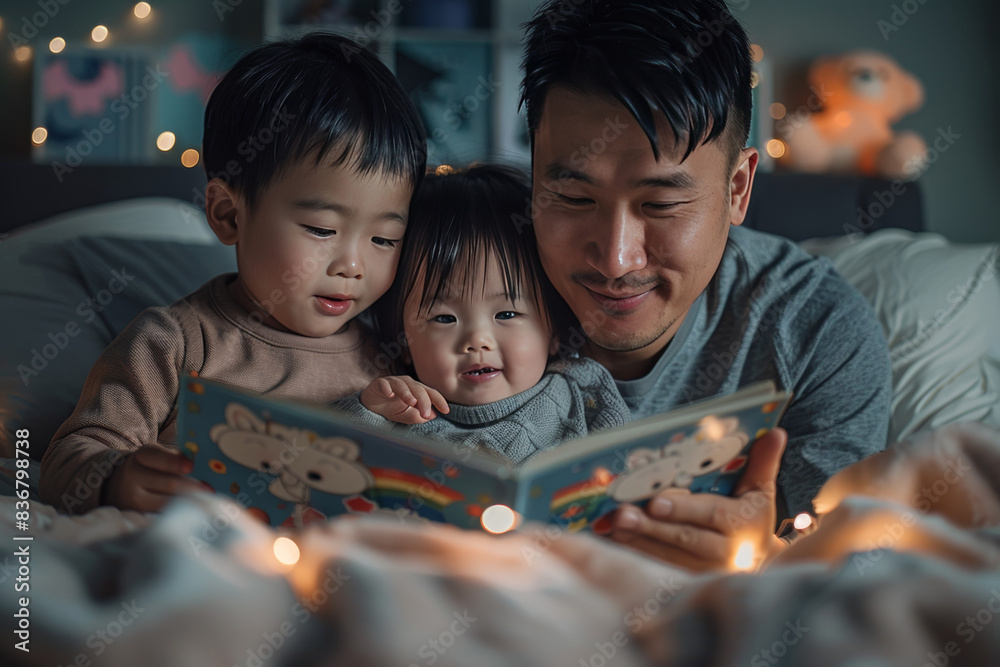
[[189, 158], [744, 557], [286, 551], [498, 519], [166, 141], [775, 148]]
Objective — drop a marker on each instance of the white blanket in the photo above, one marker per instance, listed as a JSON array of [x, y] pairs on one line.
[[908, 574]]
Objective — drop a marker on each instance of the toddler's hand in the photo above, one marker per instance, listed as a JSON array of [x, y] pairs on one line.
[[402, 399], [148, 478]]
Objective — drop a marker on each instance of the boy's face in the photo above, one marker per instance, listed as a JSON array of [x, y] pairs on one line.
[[321, 246], [474, 345]]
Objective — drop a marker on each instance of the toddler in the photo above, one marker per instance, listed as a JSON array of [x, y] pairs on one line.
[[476, 319], [316, 211]]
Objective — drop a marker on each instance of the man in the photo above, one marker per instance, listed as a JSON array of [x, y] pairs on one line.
[[638, 112]]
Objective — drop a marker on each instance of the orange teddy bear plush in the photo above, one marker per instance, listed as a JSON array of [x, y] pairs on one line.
[[862, 93]]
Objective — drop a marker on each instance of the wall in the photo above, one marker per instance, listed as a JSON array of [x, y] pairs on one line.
[[950, 45], [239, 20]]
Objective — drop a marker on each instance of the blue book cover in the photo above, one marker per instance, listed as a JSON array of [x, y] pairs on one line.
[[289, 463]]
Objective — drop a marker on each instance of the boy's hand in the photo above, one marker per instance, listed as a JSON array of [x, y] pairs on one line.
[[148, 478], [402, 399], [702, 531]]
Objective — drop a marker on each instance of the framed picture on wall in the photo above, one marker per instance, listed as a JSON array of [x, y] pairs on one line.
[[95, 105]]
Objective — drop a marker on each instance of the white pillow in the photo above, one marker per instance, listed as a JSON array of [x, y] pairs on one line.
[[153, 218], [939, 306]]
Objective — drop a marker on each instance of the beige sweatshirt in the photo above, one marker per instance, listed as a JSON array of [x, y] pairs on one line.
[[129, 399]]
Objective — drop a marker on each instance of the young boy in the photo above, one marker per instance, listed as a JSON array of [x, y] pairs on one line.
[[316, 214]]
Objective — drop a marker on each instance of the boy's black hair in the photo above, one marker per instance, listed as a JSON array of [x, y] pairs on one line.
[[457, 220], [686, 59], [284, 100]]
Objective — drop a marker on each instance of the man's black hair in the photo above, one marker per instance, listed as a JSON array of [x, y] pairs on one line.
[[686, 59], [456, 221], [320, 94]]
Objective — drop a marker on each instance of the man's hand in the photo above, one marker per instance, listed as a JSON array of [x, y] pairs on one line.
[[148, 478], [702, 531], [402, 399]]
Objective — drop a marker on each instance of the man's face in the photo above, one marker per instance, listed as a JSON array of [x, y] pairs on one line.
[[630, 242]]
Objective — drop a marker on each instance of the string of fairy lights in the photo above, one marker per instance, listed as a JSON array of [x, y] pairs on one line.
[[166, 141], [100, 35]]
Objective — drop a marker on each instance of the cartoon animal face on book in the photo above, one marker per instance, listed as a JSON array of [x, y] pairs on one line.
[[301, 460], [716, 445]]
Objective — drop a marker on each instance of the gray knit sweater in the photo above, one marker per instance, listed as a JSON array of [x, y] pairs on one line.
[[573, 398]]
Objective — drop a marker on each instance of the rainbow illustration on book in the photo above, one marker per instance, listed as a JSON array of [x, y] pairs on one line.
[[401, 490], [292, 465], [289, 463]]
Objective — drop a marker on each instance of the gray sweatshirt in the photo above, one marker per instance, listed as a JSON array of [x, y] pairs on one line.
[[574, 397]]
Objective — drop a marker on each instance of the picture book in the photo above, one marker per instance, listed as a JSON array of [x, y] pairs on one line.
[[289, 463]]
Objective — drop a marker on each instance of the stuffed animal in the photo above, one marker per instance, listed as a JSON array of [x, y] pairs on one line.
[[861, 94]]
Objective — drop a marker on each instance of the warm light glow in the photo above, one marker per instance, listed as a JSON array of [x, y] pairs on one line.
[[754, 79], [775, 147], [756, 53], [99, 33], [843, 118], [777, 111], [744, 557], [286, 551], [57, 45], [802, 521], [603, 476], [39, 136], [142, 10], [444, 170], [22, 53], [712, 428], [190, 157], [166, 141], [498, 519]]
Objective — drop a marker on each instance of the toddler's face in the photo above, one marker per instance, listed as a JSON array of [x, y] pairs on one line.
[[475, 345], [322, 245]]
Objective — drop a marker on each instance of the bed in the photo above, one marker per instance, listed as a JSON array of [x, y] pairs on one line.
[[887, 577]]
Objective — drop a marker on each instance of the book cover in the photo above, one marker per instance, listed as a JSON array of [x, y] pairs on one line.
[[289, 463]]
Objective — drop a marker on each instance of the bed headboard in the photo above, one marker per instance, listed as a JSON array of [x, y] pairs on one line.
[[796, 206]]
